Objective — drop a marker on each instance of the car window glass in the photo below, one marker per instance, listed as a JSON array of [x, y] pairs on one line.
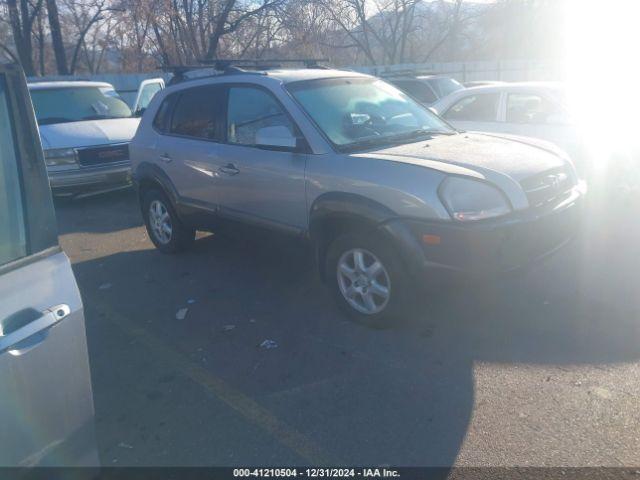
[[530, 108], [195, 114], [251, 109], [481, 107], [76, 104], [147, 93], [161, 120], [418, 90], [352, 110], [444, 86], [12, 230]]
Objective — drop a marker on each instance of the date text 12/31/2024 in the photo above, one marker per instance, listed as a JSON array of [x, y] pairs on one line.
[[316, 472]]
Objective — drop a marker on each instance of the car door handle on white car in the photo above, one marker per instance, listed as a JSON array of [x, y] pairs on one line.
[[165, 158], [229, 169], [12, 339]]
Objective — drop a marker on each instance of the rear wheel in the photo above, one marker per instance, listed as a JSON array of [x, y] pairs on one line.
[[366, 279], [166, 230]]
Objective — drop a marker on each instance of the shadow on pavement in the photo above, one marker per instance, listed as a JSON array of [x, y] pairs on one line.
[[403, 396], [102, 213]]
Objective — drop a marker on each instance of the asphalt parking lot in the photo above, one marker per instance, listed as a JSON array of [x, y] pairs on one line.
[[539, 369]]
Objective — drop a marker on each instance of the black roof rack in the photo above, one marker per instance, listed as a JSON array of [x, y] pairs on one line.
[[407, 72], [236, 66], [262, 63]]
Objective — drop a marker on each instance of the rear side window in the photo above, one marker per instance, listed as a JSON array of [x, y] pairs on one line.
[[418, 90], [251, 109], [197, 113], [163, 115], [482, 107], [12, 222]]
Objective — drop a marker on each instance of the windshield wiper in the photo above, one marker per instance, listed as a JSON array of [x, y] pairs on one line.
[[52, 120], [420, 132], [369, 142], [101, 117], [394, 139]]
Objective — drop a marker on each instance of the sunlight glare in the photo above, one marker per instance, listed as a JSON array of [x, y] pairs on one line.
[[602, 67]]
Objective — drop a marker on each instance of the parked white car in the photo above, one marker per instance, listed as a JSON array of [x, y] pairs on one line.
[[530, 109], [85, 129]]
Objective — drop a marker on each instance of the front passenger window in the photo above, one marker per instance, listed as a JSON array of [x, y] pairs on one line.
[[251, 109], [12, 231]]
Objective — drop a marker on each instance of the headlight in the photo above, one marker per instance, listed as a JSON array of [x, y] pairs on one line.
[[472, 200], [60, 156]]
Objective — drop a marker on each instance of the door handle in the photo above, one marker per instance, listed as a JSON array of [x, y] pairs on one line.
[[229, 169], [47, 320], [165, 158]]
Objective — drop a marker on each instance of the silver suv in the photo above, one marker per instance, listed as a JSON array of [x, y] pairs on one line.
[[388, 194]]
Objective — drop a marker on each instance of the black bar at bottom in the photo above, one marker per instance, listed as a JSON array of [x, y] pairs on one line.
[[404, 473]]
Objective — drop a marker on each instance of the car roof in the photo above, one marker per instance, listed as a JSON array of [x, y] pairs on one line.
[[282, 75], [405, 76], [448, 100], [288, 75], [66, 84], [515, 86], [263, 77]]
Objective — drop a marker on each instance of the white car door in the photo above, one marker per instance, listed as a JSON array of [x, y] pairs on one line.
[[148, 88], [46, 404]]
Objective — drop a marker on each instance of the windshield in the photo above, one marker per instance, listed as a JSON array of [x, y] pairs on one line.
[[445, 85], [75, 104], [355, 112]]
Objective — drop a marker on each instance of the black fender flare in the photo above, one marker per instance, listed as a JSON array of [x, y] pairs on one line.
[[355, 211], [148, 172]]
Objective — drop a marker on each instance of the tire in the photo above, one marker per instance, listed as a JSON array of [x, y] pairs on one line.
[[177, 237], [367, 303]]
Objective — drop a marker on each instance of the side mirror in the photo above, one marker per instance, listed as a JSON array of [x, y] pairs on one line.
[[138, 113], [276, 137]]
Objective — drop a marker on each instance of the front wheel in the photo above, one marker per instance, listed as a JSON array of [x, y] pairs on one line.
[[166, 230], [366, 279]]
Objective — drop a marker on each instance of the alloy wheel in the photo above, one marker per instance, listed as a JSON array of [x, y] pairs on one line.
[[160, 221], [363, 281]]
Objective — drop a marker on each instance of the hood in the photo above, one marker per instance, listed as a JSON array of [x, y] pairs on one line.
[[487, 155], [88, 133]]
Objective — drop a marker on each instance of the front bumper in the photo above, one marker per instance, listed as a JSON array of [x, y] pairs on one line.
[[487, 247], [82, 179]]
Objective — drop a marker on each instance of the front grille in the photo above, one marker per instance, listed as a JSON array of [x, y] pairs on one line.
[[547, 187], [94, 156]]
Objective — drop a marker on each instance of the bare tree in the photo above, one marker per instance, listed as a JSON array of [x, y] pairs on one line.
[[86, 15], [21, 20], [228, 15], [56, 37]]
